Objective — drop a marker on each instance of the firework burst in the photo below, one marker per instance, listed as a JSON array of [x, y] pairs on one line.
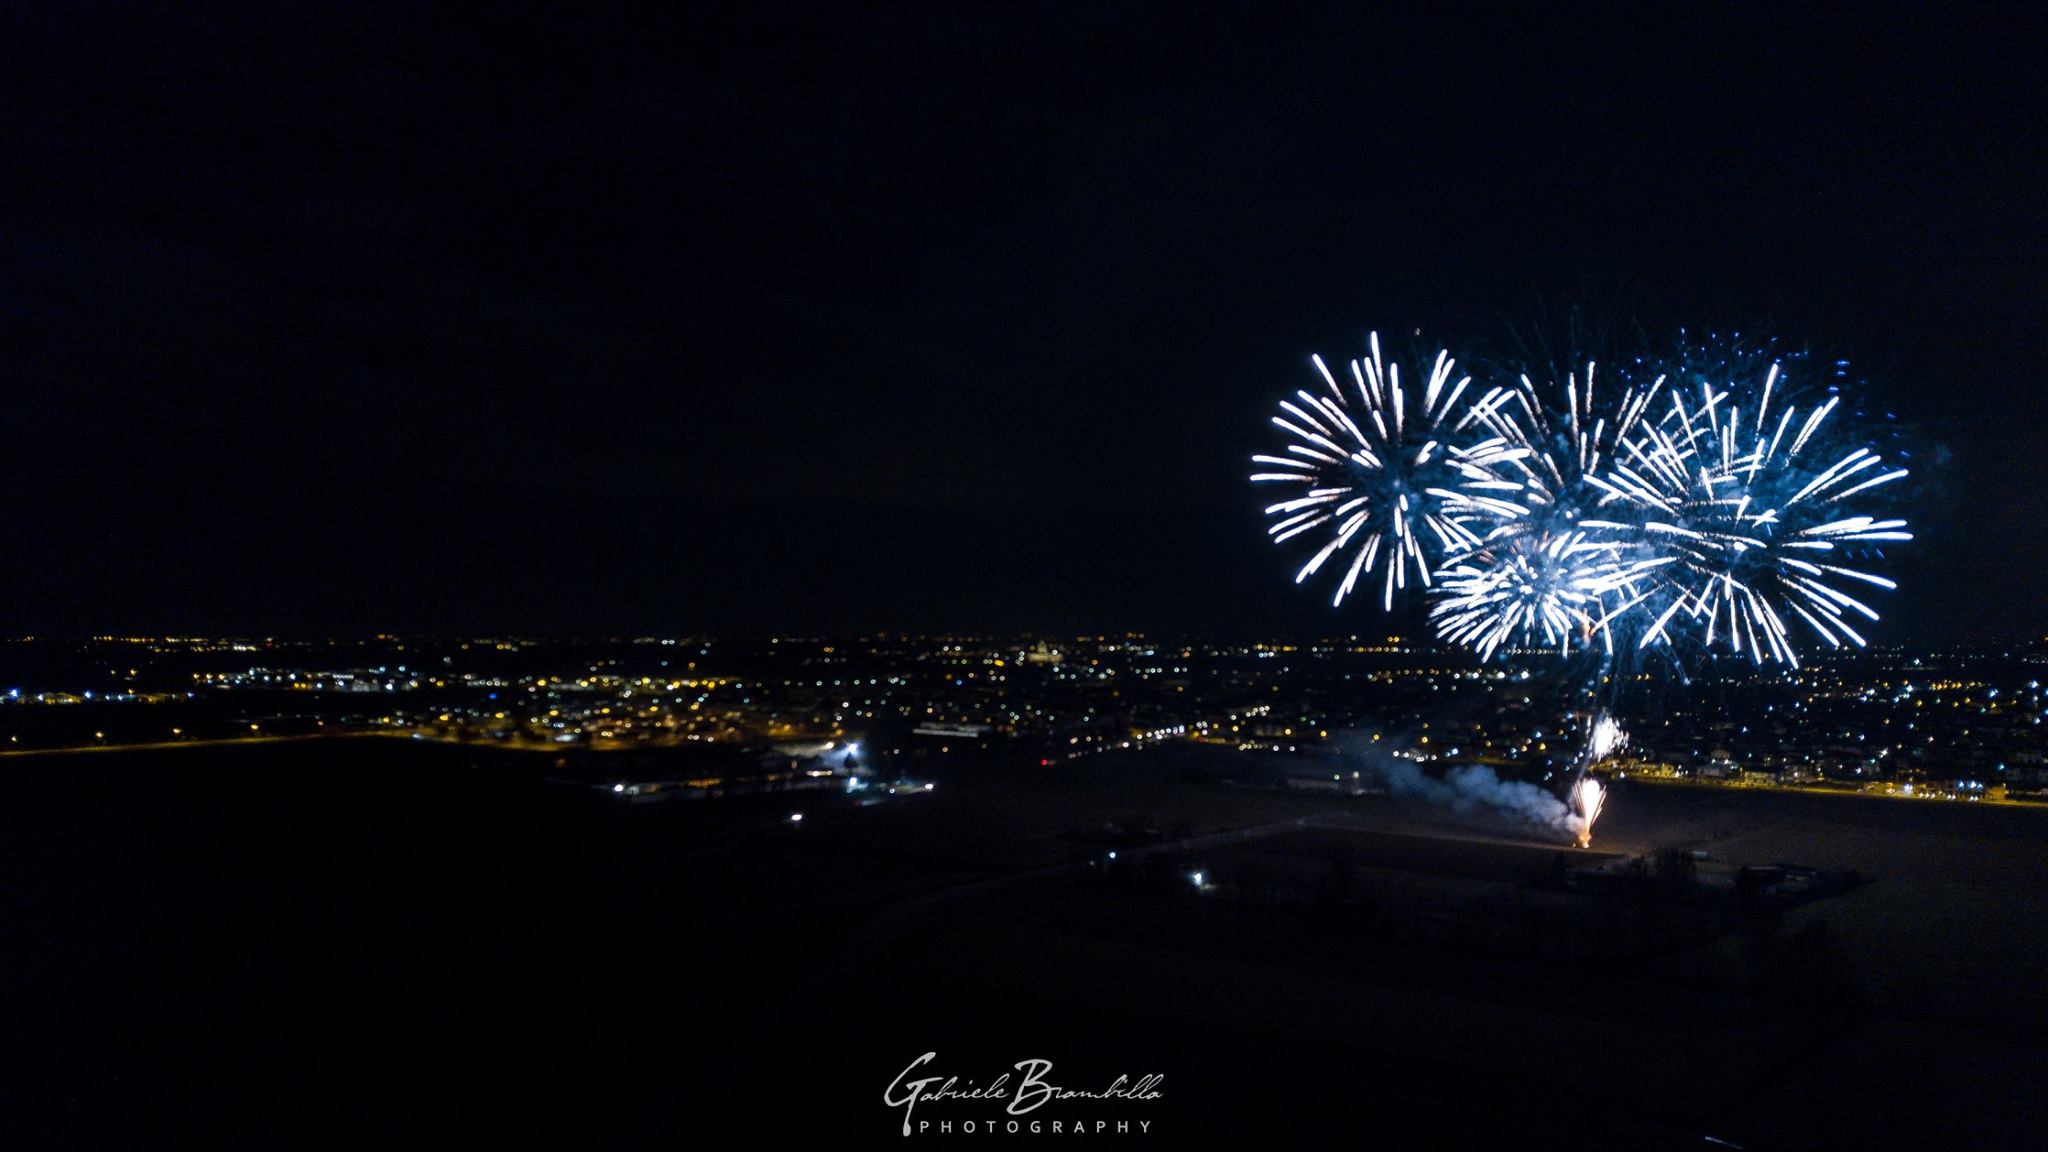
[[1545, 571], [1756, 505], [1380, 481], [1703, 505], [1560, 589]]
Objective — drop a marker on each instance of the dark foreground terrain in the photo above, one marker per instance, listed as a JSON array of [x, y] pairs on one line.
[[392, 943]]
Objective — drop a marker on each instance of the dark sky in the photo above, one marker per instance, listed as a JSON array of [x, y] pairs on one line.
[[684, 317]]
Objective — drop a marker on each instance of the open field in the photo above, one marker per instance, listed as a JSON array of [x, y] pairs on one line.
[[391, 940]]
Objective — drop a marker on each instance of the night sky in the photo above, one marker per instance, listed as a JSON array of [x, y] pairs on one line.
[[353, 317]]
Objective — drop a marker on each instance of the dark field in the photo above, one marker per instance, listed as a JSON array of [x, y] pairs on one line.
[[385, 942]]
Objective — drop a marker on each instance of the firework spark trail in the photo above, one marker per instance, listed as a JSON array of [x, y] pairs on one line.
[[1702, 505], [1717, 511], [1651, 508], [1547, 568], [1380, 477], [1568, 588], [1753, 510], [1586, 793], [1587, 797]]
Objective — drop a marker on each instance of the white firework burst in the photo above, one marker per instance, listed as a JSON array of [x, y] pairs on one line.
[[1756, 507], [1378, 476], [1546, 570], [1562, 590]]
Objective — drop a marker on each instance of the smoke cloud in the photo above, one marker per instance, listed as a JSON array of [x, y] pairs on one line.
[[1468, 788]]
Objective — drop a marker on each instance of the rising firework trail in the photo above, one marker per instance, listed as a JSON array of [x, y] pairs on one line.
[[1604, 738], [1587, 797]]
